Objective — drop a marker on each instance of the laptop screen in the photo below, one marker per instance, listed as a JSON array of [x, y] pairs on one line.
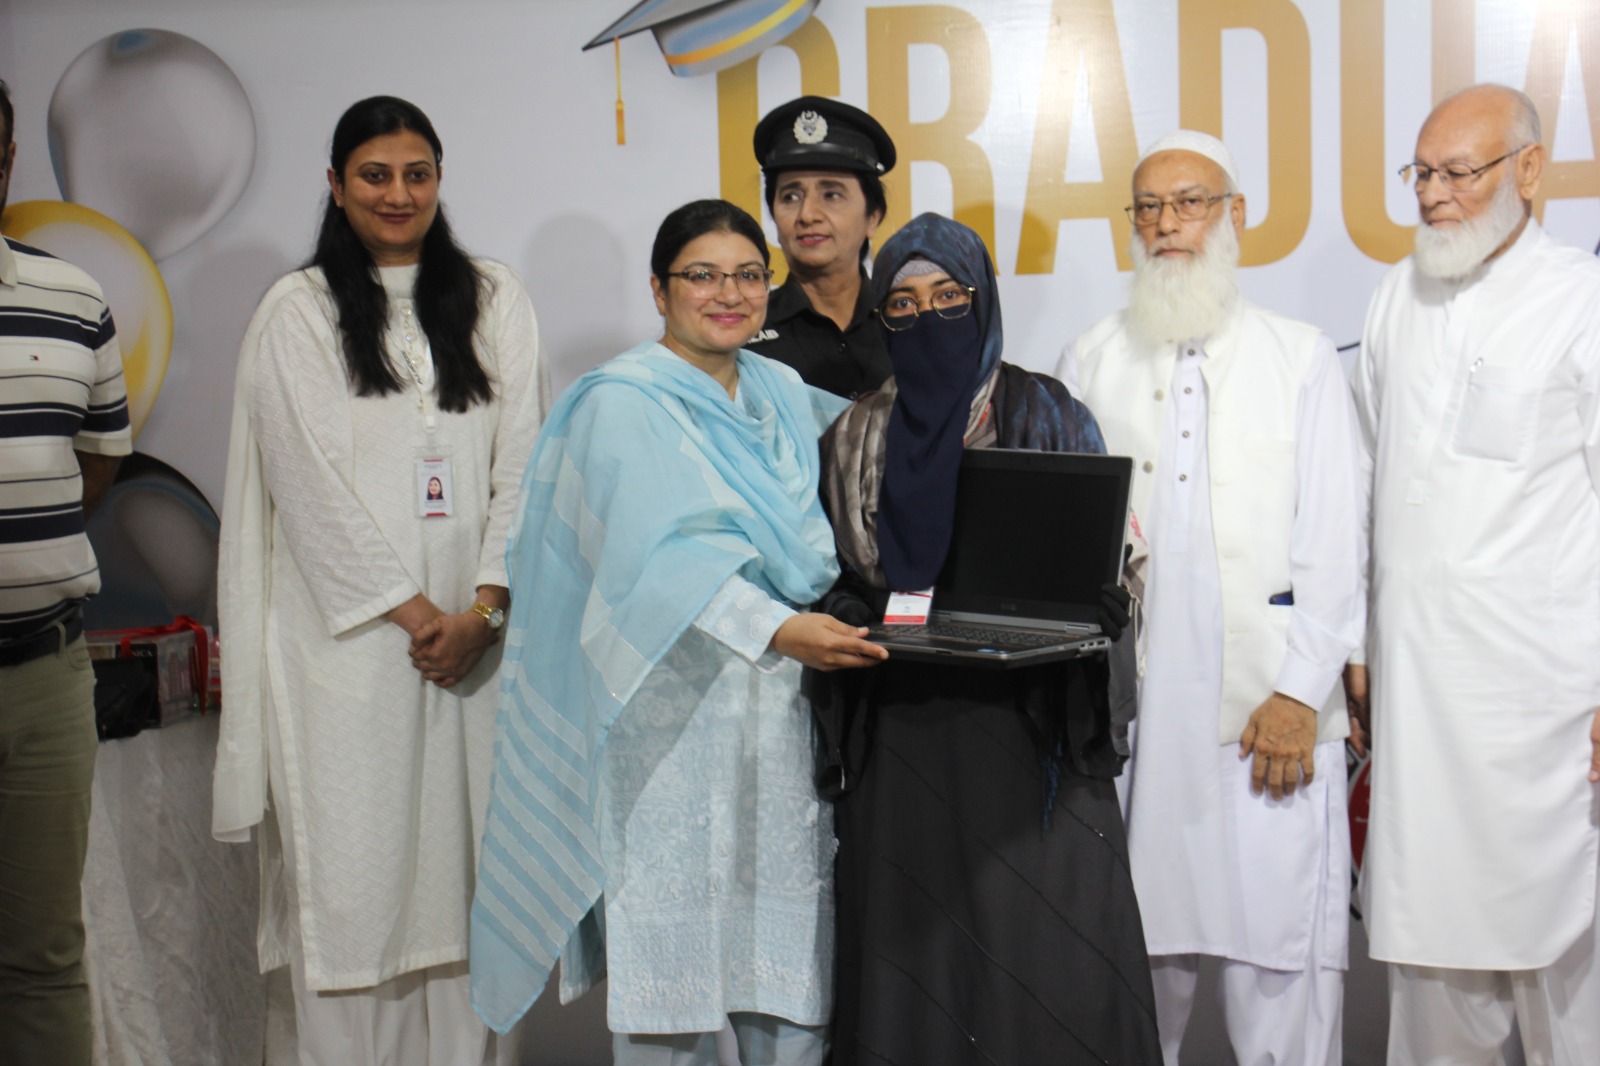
[[1036, 535]]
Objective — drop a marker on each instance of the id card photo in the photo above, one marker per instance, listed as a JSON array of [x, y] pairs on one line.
[[434, 495]]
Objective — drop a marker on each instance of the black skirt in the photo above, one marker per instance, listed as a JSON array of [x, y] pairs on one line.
[[986, 913]]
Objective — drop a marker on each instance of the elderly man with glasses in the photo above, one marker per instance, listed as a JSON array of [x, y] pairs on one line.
[[1478, 392], [1247, 483]]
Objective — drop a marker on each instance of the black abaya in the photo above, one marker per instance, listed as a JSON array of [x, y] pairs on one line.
[[970, 931]]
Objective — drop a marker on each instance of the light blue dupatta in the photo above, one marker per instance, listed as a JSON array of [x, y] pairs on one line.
[[647, 489]]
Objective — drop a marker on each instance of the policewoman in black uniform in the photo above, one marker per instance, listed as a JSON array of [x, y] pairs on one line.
[[823, 163]]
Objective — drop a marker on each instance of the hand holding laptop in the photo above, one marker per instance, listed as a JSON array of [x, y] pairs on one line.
[[1114, 603], [822, 642]]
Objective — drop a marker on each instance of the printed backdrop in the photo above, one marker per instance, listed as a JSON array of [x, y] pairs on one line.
[[1022, 117], [177, 150]]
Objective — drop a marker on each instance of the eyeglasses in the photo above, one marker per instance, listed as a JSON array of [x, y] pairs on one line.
[[899, 312], [1457, 177], [1190, 207], [703, 281]]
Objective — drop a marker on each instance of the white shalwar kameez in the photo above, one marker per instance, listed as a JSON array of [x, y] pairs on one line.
[[1261, 884], [1480, 409], [378, 779], [718, 850]]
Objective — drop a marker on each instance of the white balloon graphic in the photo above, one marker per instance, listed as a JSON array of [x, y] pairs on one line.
[[152, 129]]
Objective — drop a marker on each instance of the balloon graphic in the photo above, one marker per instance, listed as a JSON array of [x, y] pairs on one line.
[[155, 538], [128, 277], [151, 128]]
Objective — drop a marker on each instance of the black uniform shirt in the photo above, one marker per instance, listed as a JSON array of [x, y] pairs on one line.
[[844, 362]]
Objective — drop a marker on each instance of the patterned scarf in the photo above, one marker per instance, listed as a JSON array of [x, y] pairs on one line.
[[1005, 406], [648, 488]]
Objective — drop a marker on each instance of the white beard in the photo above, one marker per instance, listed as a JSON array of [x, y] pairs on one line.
[[1179, 299], [1453, 252]]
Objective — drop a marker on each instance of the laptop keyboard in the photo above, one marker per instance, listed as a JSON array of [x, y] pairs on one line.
[[981, 635]]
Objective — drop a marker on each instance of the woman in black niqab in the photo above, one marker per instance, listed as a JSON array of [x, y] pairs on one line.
[[985, 909]]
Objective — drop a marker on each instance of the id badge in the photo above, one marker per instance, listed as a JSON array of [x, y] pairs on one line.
[[435, 492], [908, 608]]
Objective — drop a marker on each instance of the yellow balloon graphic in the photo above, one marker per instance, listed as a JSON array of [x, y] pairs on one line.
[[127, 275]]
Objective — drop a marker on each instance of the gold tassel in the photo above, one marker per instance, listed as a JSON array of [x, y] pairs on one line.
[[616, 51]]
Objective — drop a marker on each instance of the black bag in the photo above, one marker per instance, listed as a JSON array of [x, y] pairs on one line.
[[124, 697]]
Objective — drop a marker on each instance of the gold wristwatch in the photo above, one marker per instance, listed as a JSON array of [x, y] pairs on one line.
[[493, 615]]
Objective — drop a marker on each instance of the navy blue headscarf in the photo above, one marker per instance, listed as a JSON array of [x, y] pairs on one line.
[[939, 366]]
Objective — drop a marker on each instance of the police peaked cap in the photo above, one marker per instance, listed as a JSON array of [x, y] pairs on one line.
[[816, 133]]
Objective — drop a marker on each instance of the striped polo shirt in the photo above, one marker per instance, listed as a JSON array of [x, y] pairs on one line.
[[61, 389]]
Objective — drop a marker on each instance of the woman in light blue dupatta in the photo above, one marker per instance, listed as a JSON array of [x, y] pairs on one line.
[[653, 818]]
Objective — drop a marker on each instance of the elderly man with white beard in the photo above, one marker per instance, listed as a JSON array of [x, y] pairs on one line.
[[1247, 481], [1478, 392]]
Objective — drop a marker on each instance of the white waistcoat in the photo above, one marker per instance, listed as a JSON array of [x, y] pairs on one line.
[[1254, 372]]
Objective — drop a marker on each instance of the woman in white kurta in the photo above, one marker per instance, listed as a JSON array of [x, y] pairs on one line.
[[653, 817], [361, 615]]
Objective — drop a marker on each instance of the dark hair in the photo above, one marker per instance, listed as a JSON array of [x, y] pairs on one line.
[[448, 287], [7, 114], [696, 219], [871, 189]]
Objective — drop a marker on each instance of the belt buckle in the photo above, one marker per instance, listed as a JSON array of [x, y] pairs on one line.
[[46, 642]]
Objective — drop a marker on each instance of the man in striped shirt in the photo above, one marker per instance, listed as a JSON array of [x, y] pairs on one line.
[[63, 429]]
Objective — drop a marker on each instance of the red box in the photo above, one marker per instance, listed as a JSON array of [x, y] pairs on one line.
[[177, 656]]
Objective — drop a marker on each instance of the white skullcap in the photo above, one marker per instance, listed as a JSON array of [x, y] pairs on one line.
[[1200, 144]]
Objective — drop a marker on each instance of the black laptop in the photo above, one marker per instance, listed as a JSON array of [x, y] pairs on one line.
[[1036, 536]]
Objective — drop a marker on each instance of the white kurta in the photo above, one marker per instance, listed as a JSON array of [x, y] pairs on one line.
[[1220, 871], [1480, 410], [379, 779], [718, 850]]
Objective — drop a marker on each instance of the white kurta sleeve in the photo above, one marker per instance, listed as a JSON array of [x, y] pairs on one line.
[[1364, 390], [523, 393], [1067, 369], [1589, 412], [300, 411], [743, 619], [1327, 563]]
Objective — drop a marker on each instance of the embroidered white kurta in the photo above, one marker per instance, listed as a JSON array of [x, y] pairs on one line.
[[382, 782], [1479, 411], [718, 850], [1220, 871]]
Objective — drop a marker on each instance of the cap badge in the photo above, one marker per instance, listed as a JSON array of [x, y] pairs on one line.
[[810, 128]]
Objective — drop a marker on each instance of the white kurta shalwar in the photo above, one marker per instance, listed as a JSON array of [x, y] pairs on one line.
[[1480, 410], [1220, 871], [379, 782], [718, 850]]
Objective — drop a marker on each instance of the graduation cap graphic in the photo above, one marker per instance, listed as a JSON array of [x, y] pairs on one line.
[[704, 36]]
